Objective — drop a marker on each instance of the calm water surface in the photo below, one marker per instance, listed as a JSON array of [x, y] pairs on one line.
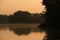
[[6, 34]]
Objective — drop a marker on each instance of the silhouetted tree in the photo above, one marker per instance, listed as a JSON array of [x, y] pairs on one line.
[[4, 19], [38, 17], [25, 17], [20, 16], [52, 23]]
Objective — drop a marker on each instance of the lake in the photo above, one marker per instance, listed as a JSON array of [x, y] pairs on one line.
[[7, 34]]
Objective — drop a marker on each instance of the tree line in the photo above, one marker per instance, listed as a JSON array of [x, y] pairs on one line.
[[22, 17]]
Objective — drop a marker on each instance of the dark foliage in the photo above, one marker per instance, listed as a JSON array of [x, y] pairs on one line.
[[21, 17], [4, 19], [52, 23], [25, 17]]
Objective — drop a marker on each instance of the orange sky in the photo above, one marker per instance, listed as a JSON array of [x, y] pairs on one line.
[[10, 6]]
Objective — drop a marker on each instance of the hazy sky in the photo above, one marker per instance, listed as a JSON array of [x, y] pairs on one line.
[[10, 6]]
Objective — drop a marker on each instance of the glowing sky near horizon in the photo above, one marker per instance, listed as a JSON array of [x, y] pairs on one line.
[[10, 6]]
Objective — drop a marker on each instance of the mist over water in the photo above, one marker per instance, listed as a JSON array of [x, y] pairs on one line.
[[6, 34]]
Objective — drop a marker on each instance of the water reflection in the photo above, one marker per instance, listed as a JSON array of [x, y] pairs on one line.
[[10, 35]]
